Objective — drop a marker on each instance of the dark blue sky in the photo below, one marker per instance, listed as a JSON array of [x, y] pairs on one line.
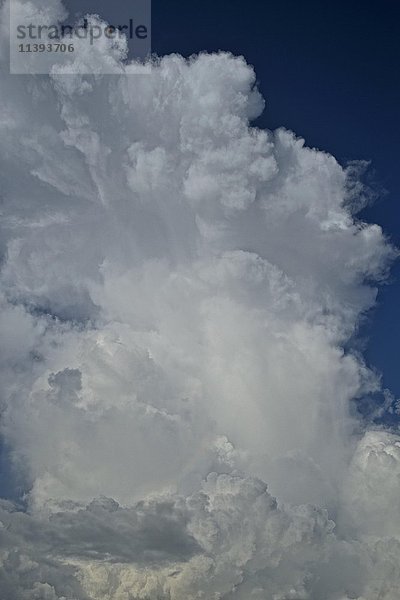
[[329, 71]]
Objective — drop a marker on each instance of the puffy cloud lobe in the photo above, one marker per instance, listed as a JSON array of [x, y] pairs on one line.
[[177, 291], [371, 491]]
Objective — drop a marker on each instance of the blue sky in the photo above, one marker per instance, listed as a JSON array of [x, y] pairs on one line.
[[330, 72]]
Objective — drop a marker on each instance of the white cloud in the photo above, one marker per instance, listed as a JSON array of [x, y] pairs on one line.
[[177, 292]]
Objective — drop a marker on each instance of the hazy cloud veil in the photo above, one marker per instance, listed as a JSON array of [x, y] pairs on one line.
[[180, 294]]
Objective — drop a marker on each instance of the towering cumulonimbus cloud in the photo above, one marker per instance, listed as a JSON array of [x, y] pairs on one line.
[[179, 293]]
